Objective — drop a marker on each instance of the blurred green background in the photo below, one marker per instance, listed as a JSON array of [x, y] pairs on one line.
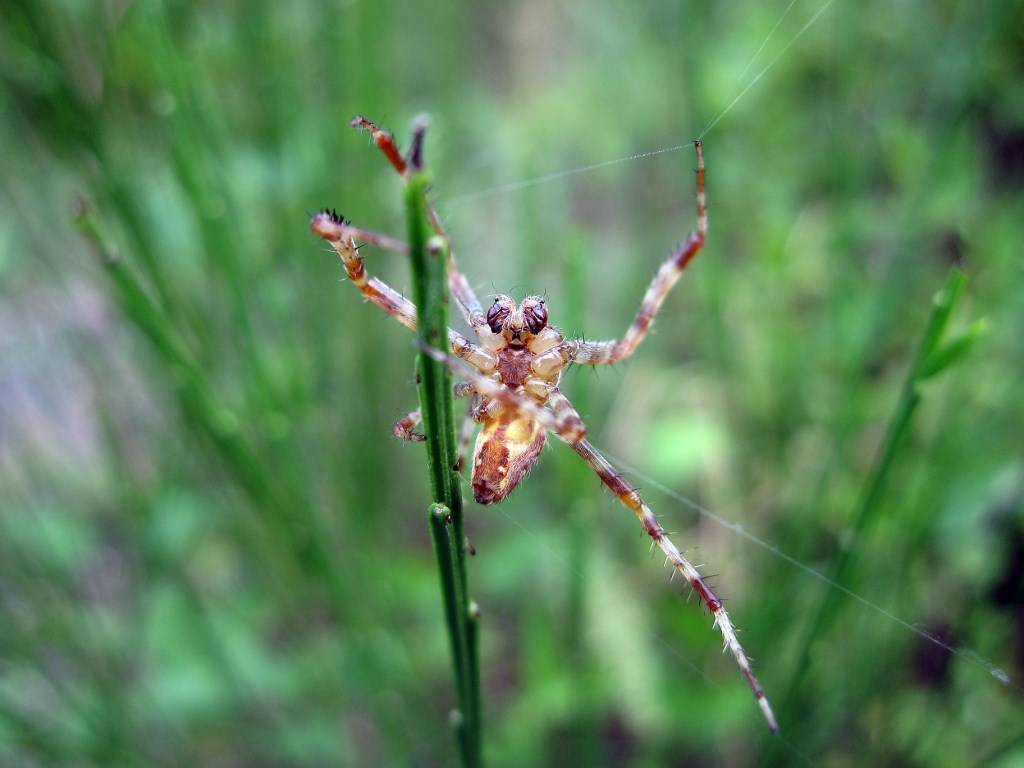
[[212, 551]]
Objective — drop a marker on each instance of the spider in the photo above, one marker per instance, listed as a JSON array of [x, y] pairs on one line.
[[512, 374]]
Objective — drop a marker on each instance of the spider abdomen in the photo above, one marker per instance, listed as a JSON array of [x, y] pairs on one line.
[[505, 450]]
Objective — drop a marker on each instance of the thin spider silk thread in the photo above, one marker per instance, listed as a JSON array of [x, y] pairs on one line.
[[770, 64], [778, 23], [516, 186]]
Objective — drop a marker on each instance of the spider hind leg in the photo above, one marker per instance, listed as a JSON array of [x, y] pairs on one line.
[[629, 496]]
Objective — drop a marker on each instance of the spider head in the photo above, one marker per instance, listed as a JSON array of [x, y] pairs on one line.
[[517, 324]]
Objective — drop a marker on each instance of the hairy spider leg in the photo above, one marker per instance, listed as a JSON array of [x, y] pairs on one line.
[[629, 496], [342, 235], [335, 230], [338, 232], [467, 300]]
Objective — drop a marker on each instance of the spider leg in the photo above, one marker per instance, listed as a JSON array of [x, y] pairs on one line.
[[568, 424], [565, 422], [629, 496], [334, 230], [479, 406], [466, 389], [467, 300], [404, 427], [342, 228], [341, 235], [603, 352]]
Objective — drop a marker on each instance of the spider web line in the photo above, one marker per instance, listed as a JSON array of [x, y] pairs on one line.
[[516, 186], [770, 35], [770, 64], [966, 654]]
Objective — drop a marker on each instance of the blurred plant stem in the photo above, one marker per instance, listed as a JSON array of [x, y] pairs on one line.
[[429, 256], [932, 357]]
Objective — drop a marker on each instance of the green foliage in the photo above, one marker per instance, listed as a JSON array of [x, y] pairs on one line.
[[213, 553]]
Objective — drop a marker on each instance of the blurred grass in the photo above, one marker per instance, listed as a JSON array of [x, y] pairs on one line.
[[211, 551]]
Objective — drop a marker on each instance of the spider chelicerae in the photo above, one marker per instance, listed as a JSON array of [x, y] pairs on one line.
[[513, 370]]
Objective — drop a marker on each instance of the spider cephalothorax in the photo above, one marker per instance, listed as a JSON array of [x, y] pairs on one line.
[[512, 373]]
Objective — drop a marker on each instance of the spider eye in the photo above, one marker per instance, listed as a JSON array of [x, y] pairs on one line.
[[497, 315], [536, 317]]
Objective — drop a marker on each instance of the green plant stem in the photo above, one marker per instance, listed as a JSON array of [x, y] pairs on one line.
[[429, 257]]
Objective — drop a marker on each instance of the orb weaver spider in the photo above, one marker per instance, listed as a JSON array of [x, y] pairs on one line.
[[512, 373]]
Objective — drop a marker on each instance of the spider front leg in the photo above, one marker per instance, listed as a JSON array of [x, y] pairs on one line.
[[603, 352], [629, 496], [467, 300], [341, 235]]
